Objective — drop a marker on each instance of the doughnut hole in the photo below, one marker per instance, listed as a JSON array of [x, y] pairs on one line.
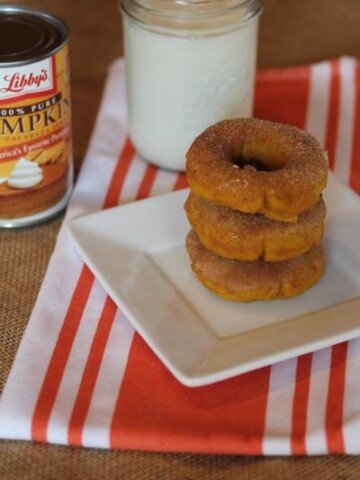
[[253, 163], [261, 156]]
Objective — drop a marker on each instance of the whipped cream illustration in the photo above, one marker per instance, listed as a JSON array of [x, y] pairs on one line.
[[25, 174]]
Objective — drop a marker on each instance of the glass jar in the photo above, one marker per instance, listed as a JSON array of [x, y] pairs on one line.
[[189, 64]]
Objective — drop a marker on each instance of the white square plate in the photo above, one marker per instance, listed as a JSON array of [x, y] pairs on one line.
[[137, 253]]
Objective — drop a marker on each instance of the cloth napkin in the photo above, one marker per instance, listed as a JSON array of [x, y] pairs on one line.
[[83, 377]]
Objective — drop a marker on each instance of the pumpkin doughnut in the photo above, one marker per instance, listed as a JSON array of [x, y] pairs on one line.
[[257, 166], [248, 281], [242, 236]]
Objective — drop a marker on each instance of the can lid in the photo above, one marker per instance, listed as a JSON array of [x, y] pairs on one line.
[[28, 34]]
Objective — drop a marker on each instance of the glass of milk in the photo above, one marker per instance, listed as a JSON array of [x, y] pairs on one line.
[[189, 64]]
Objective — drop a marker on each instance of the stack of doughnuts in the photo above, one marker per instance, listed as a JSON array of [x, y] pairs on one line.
[[256, 209]]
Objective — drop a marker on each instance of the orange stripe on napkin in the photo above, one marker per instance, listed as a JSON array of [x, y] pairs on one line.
[[59, 358], [181, 182], [119, 175], [288, 91], [335, 400], [147, 182], [333, 114], [355, 162], [300, 404]]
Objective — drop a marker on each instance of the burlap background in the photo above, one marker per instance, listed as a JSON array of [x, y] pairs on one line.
[[292, 31]]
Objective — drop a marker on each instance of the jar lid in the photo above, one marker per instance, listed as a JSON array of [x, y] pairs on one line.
[[28, 34], [189, 16]]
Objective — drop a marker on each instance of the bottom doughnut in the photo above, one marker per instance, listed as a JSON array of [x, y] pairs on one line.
[[248, 281]]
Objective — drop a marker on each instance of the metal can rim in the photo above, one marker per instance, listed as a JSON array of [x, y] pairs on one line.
[[57, 21]]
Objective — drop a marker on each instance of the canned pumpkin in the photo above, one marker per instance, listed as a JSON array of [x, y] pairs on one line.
[[35, 116]]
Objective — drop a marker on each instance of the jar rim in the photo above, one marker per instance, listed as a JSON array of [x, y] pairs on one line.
[[187, 16]]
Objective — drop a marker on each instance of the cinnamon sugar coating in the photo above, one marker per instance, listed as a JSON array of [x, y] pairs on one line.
[[259, 280], [223, 167], [248, 237]]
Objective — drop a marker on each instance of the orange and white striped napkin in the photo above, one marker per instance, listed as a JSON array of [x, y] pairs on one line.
[[83, 377]]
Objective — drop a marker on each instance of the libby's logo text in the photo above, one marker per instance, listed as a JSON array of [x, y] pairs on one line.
[[17, 82]]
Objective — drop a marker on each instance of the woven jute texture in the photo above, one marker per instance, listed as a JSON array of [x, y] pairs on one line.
[[24, 255]]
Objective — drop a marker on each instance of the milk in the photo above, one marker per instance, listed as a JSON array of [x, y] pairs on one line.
[[178, 86]]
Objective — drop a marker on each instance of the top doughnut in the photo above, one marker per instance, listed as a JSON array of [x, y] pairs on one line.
[[257, 166]]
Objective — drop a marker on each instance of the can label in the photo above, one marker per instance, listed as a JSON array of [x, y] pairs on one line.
[[35, 135]]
